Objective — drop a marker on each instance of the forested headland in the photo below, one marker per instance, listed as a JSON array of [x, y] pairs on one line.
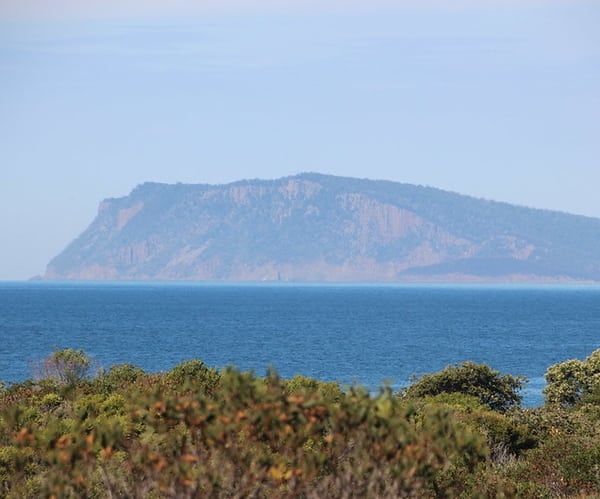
[[195, 431]]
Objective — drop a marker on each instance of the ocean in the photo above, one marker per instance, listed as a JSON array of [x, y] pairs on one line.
[[369, 335]]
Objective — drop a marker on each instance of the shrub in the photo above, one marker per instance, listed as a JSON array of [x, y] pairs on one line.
[[568, 382], [51, 400], [67, 366], [118, 377], [498, 392], [167, 435], [506, 434], [330, 391], [194, 374]]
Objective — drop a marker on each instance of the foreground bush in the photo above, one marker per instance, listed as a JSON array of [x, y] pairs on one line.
[[198, 432], [255, 438]]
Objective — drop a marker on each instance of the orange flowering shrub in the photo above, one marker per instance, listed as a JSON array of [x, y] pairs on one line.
[[197, 432]]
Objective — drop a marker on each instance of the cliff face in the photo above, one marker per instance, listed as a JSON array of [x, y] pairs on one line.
[[314, 227]]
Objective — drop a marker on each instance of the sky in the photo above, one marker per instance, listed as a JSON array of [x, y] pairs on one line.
[[495, 99]]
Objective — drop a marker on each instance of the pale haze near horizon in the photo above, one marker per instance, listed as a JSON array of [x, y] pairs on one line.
[[492, 99]]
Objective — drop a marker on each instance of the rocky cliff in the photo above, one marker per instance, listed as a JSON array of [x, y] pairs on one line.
[[314, 227]]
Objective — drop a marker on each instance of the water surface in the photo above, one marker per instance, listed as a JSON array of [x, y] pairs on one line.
[[367, 334]]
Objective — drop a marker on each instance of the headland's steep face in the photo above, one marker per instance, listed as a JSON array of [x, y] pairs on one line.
[[314, 227]]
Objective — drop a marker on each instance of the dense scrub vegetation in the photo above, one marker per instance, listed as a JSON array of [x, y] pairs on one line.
[[197, 432]]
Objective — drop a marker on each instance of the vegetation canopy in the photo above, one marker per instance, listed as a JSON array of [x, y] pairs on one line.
[[498, 392], [66, 366], [573, 381], [195, 431]]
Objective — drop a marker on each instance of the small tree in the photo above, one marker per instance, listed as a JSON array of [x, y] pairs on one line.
[[67, 366], [194, 374], [498, 392], [329, 390], [119, 376], [571, 381]]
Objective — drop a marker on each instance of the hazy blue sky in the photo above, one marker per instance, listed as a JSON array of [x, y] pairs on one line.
[[494, 99]]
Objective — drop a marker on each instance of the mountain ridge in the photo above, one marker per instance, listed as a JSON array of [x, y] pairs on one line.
[[316, 227]]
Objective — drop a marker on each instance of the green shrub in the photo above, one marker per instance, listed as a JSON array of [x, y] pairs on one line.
[[193, 374], [498, 392], [330, 391], [67, 366], [455, 400], [113, 405], [194, 432], [571, 381], [16, 463], [507, 436], [50, 401], [118, 377]]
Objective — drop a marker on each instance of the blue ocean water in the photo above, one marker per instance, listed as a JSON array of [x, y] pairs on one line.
[[366, 334]]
